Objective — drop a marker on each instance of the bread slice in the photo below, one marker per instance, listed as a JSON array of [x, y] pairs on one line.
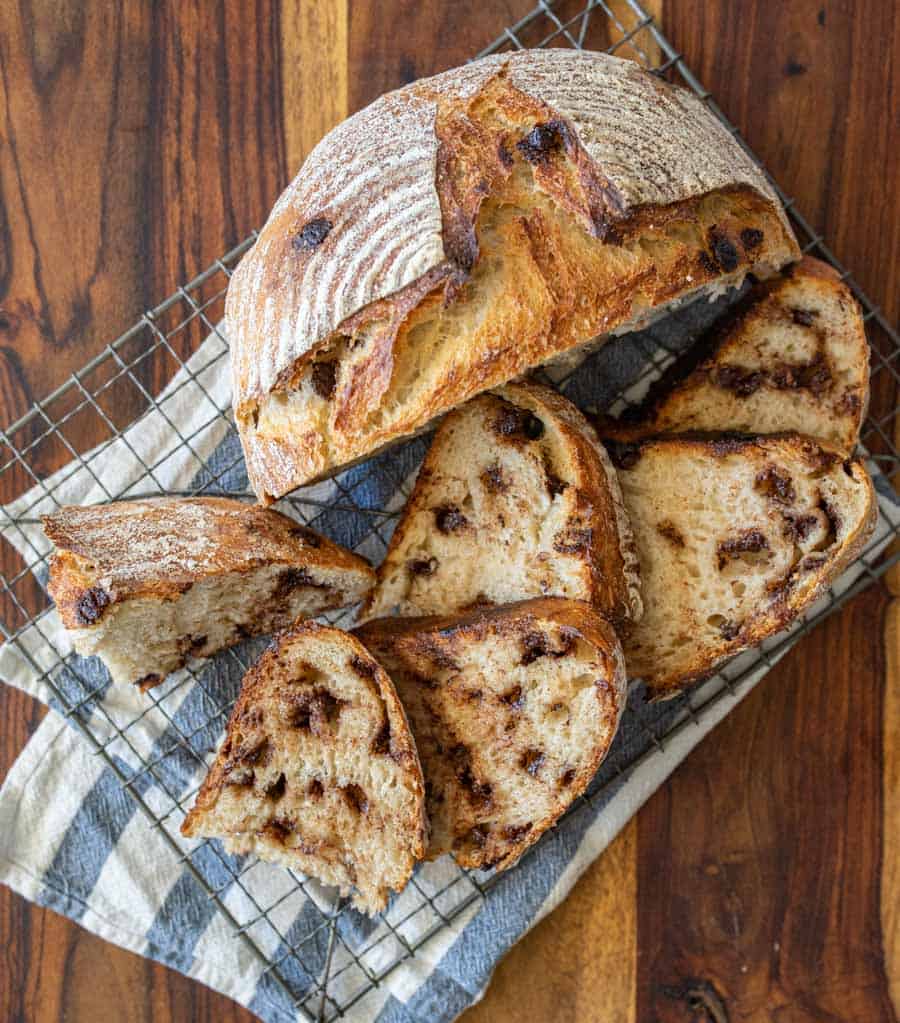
[[736, 536], [512, 709], [318, 770], [147, 585], [469, 227], [792, 356], [516, 498]]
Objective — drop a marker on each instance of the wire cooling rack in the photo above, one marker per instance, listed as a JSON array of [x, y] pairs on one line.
[[90, 402]]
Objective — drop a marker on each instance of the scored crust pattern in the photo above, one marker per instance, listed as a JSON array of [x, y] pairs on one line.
[[370, 184]]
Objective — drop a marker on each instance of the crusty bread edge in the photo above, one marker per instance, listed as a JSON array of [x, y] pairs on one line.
[[274, 467], [597, 467], [642, 419], [595, 461], [536, 84], [70, 577]]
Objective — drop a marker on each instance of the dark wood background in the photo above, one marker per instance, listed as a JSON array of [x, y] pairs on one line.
[[139, 140]]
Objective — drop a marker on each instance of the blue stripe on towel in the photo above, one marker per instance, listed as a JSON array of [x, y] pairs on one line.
[[107, 809], [270, 1001], [91, 836], [509, 908], [224, 471], [83, 682], [187, 911]]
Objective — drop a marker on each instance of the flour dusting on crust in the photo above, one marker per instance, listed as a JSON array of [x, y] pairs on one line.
[[362, 219]]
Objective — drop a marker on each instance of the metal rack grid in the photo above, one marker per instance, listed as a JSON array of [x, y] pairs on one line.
[[323, 969]]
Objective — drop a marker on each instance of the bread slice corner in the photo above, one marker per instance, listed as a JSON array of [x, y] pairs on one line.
[[318, 770]]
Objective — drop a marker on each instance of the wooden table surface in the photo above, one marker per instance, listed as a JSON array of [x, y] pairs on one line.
[[140, 140]]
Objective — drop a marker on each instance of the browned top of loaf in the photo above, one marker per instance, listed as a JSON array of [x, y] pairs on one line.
[[160, 547], [386, 204]]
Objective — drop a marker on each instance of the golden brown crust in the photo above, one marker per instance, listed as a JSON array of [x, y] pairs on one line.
[[809, 266], [501, 174], [481, 622], [565, 293], [159, 548], [424, 158]]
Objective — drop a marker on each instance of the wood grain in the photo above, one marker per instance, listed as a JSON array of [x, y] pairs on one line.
[[392, 44], [215, 104], [313, 74], [769, 904], [131, 163], [890, 840], [138, 141], [768, 901], [72, 175], [812, 86]]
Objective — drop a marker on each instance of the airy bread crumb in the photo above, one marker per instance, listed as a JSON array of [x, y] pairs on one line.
[[318, 770], [516, 498], [513, 709]]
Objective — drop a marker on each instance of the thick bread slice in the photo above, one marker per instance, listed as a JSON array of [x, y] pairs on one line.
[[736, 536], [516, 498], [512, 709], [147, 585], [318, 770], [468, 227], [792, 356]]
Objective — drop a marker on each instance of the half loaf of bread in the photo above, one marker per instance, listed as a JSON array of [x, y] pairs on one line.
[[468, 227], [516, 498], [792, 356], [147, 585], [736, 537], [512, 709], [318, 770]]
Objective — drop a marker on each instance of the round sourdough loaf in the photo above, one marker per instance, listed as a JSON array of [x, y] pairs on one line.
[[471, 226]]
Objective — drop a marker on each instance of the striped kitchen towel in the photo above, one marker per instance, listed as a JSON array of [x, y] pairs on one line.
[[76, 828]]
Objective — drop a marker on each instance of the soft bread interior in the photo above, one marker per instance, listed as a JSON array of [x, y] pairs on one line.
[[318, 771], [511, 722], [144, 639], [734, 540], [504, 510]]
